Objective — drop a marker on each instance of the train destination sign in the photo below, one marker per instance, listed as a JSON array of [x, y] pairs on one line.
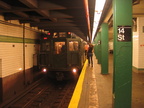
[[124, 33]]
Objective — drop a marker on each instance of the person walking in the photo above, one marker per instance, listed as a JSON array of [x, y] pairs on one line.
[[86, 49], [90, 55]]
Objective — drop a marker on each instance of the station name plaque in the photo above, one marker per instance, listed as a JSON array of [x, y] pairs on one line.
[[124, 33]]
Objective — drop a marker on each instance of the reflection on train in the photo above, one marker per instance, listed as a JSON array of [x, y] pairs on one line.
[[61, 54]]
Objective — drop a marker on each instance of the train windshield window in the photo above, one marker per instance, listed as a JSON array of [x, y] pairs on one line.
[[62, 34], [73, 46], [45, 46], [59, 47]]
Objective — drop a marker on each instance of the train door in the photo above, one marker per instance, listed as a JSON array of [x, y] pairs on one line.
[[59, 54], [73, 52], [44, 56]]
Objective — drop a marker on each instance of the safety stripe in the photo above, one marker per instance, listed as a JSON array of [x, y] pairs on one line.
[[77, 92]]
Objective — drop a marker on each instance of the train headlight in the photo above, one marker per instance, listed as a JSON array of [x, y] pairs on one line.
[[44, 70], [74, 70]]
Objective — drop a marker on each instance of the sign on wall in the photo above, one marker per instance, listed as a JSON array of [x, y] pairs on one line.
[[124, 33]]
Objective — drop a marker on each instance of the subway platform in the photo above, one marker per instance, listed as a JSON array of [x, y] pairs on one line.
[[94, 90]]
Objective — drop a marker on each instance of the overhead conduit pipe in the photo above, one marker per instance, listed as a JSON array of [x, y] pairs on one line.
[[87, 18]]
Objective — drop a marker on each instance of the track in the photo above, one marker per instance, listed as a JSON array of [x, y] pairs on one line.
[[47, 95]]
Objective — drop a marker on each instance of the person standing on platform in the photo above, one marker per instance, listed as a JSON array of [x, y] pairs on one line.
[[90, 55], [86, 49]]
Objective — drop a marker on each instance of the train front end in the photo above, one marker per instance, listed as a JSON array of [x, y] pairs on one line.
[[61, 56]]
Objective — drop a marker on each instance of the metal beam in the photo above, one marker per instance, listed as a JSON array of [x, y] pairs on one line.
[[30, 3], [4, 5], [49, 6]]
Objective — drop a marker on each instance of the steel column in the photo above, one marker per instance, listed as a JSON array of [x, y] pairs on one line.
[[122, 78], [104, 49], [99, 48]]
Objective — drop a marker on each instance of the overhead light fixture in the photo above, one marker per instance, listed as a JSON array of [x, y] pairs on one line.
[[99, 5]]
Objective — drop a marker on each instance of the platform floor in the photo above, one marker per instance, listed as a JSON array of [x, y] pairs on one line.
[[97, 88]]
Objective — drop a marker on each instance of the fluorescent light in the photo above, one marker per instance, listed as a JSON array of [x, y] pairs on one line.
[[99, 5]]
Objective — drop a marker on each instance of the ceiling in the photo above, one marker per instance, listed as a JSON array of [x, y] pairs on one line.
[[62, 15], [52, 15]]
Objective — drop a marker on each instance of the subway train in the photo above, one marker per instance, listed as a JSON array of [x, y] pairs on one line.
[[61, 55]]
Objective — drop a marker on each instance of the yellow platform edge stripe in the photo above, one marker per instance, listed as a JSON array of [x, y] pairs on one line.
[[78, 89]]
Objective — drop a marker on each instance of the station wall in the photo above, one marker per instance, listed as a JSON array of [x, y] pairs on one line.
[[18, 44], [138, 45]]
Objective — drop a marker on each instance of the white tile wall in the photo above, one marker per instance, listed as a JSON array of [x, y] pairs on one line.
[[11, 30], [135, 49], [12, 57], [141, 42], [138, 45], [29, 51], [31, 34]]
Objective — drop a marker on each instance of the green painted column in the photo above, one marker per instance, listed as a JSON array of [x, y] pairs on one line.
[[96, 47], [99, 48], [122, 78], [104, 48]]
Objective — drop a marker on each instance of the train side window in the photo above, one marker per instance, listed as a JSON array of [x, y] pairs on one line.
[[59, 47], [73, 46], [45, 46]]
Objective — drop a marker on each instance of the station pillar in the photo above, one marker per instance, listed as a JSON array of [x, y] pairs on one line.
[[99, 47], [122, 77], [95, 46], [104, 49]]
